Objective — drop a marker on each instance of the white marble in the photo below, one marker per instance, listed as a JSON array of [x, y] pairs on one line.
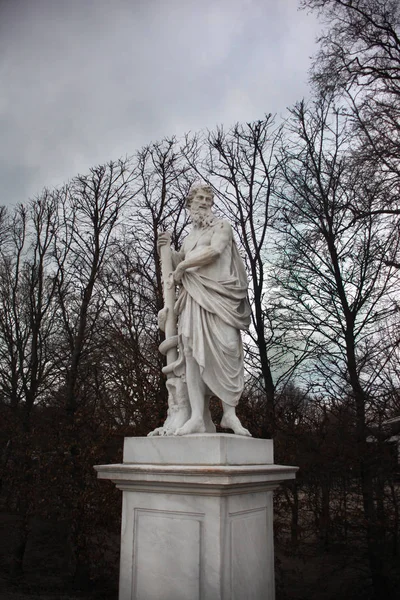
[[166, 554], [212, 309], [208, 449], [197, 530]]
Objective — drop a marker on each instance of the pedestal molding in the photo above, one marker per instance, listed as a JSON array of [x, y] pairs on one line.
[[194, 470], [182, 479]]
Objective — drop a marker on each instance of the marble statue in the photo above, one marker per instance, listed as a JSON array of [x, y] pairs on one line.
[[203, 324]]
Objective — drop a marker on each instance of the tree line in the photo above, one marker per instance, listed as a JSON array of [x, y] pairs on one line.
[[314, 203]]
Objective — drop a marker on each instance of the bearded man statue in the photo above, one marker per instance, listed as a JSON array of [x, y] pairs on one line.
[[212, 309]]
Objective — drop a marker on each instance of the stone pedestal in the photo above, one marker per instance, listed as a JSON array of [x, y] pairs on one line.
[[197, 517]]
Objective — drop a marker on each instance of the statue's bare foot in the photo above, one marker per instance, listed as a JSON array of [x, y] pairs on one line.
[[157, 431], [231, 421], [177, 421], [194, 425]]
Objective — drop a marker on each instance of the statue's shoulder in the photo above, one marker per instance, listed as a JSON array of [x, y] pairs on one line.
[[221, 224]]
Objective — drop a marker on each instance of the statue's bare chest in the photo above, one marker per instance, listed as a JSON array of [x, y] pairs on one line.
[[197, 239]]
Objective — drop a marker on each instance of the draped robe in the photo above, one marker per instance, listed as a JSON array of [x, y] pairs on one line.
[[212, 311]]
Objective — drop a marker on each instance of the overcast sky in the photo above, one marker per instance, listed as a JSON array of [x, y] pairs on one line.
[[86, 81]]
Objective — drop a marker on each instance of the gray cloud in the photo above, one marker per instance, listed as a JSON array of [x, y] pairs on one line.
[[85, 81]]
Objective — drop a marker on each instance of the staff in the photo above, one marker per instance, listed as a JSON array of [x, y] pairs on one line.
[[167, 320]]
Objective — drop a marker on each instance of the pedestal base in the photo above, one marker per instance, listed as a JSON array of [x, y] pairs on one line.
[[197, 517]]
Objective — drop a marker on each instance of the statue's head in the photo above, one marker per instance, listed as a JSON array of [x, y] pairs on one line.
[[200, 188]]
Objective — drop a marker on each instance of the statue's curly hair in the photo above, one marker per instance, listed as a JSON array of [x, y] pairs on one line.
[[194, 188]]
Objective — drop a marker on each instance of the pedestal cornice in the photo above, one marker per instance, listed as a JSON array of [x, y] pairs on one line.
[[204, 479]]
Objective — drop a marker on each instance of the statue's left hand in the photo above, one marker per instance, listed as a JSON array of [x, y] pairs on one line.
[[163, 238]]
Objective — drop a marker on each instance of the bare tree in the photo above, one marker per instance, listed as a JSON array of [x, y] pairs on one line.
[[242, 165], [359, 61], [136, 288], [92, 208], [28, 320], [334, 280], [28, 329]]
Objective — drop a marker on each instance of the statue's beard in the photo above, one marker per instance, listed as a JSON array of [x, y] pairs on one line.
[[201, 219]]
